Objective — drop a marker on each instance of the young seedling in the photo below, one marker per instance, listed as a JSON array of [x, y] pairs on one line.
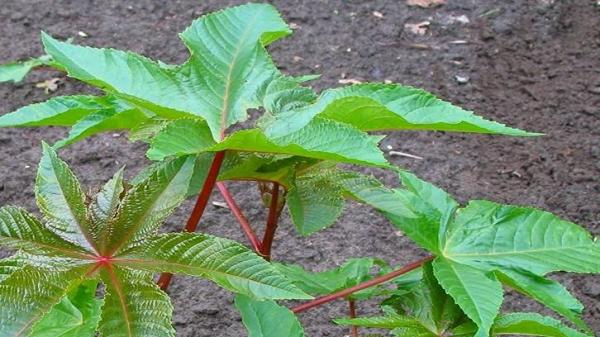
[[190, 116], [113, 237]]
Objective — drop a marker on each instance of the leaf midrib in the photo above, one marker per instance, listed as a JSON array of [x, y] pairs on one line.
[[67, 252], [134, 228], [462, 283], [84, 232], [117, 286], [228, 81], [203, 270]]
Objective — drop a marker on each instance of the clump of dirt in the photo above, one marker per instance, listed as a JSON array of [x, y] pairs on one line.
[[534, 65]]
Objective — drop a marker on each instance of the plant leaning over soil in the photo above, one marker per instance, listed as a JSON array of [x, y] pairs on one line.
[[293, 151]]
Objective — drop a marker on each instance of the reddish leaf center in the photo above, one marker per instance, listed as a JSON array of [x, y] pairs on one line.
[[104, 260]]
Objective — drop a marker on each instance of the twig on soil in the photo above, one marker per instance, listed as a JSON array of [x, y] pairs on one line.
[[404, 154], [376, 281]]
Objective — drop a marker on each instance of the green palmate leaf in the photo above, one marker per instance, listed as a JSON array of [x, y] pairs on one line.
[[321, 139], [317, 196], [8, 266], [485, 234], [430, 210], [349, 274], [20, 230], [275, 168], [246, 167], [16, 71], [285, 94], [181, 137], [146, 130], [486, 240], [228, 72], [200, 172], [60, 197], [373, 107], [400, 325], [478, 294], [76, 315], [29, 293], [101, 121], [368, 190], [235, 58], [314, 202], [146, 205], [546, 291], [429, 304], [122, 221], [522, 324], [134, 306], [57, 111], [88, 115], [226, 262], [267, 318], [532, 324], [227, 67], [106, 202], [416, 308]]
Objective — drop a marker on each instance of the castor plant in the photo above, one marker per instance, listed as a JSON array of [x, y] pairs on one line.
[[97, 255]]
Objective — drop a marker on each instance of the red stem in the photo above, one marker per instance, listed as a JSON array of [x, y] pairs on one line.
[[352, 312], [237, 212], [272, 220], [204, 196], [378, 280], [199, 207]]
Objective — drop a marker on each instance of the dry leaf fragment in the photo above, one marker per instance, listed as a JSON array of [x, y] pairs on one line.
[[426, 3], [220, 204], [419, 46], [419, 28], [50, 85], [349, 81], [404, 154]]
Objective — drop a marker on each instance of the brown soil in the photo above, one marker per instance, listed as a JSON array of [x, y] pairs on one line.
[[531, 64]]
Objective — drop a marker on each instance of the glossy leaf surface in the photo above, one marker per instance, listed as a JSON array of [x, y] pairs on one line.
[[267, 318]]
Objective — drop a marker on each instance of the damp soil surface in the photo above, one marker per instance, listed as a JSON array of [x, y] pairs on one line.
[[531, 64]]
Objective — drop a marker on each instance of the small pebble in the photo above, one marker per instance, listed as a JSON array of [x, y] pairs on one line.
[[462, 79], [595, 90]]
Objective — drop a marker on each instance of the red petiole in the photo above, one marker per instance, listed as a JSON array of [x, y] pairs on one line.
[[264, 248], [273, 218], [199, 207], [352, 314], [376, 281], [237, 212]]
